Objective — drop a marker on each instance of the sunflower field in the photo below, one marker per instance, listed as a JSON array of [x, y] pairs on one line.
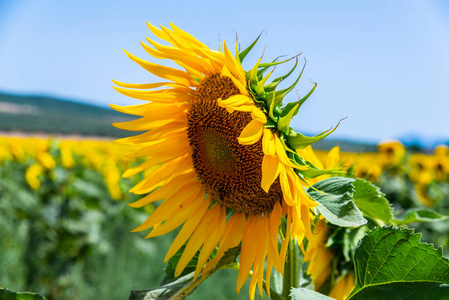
[[222, 183], [65, 219], [65, 222]]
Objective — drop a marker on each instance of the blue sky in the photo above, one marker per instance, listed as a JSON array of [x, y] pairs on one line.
[[383, 64]]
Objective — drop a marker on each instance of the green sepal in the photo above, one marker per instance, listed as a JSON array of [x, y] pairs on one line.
[[270, 124], [272, 85], [260, 86], [261, 72], [265, 65], [251, 76], [299, 160], [284, 121], [242, 55], [300, 141], [314, 172], [308, 95], [271, 104], [279, 96], [290, 110]]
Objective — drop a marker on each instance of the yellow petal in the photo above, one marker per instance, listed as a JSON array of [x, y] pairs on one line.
[[171, 206], [270, 171], [186, 231], [163, 175], [178, 218], [258, 115], [165, 147], [235, 100], [198, 237], [241, 85], [147, 123], [159, 96], [215, 234], [186, 36], [155, 134], [166, 190], [287, 189], [140, 85], [232, 237], [156, 110], [167, 73], [249, 248], [234, 66], [251, 133], [268, 144]]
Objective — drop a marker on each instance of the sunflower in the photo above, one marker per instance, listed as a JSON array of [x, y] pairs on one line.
[[221, 154]]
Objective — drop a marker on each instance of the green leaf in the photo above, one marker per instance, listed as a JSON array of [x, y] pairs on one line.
[[334, 196], [183, 286], [371, 201], [171, 290], [6, 294], [420, 215], [229, 258], [392, 263], [173, 262], [306, 294]]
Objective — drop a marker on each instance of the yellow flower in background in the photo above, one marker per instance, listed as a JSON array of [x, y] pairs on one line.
[[221, 153], [32, 176], [112, 178], [420, 167], [66, 156], [16, 149], [393, 152], [343, 287], [441, 151], [369, 166], [441, 168], [441, 163], [421, 174], [46, 160]]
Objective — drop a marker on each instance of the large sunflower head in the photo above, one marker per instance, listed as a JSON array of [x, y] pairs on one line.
[[220, 151]]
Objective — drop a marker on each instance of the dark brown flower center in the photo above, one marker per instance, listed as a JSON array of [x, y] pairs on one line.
[[231, 173]]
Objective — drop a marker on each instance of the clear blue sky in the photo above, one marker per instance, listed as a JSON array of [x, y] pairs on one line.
[[383, 64]]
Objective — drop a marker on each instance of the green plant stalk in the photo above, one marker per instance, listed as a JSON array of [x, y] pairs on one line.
[[292, 269]]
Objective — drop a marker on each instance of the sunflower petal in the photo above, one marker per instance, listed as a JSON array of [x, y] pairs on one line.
[[251, 133]]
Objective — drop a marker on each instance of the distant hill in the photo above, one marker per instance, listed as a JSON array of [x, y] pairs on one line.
[[35, 114]]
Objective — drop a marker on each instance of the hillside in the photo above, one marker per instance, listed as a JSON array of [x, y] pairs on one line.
[[34, 114]]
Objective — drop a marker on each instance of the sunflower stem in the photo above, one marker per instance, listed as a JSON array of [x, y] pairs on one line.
[[292, 270]]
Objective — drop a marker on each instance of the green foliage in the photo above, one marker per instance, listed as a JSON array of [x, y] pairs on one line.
[[392, 263], [184, 285], [172, 290], [419, 215], [371, 201], [6, 294], [335, 198], [71, 240], [306, 294]]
